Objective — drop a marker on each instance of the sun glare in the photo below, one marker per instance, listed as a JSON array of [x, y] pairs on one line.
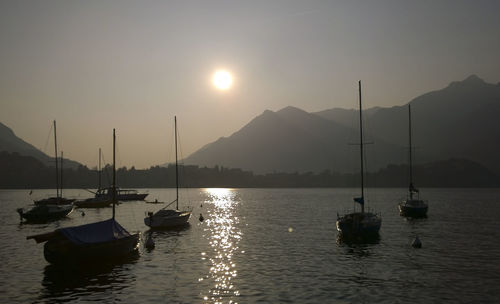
[[222, 80]]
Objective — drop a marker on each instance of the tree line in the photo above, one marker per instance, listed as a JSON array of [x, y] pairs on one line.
[[25, 172]]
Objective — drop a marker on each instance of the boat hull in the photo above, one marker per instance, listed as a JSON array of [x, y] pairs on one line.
[[46, 213], [413, 208], [54, 201], [125, 197], [157, 222], [359, 224], [60, 250], [415, 212], [93, 203]]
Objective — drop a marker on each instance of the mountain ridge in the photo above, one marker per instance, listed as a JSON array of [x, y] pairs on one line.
[[455, 121], [10, 142]]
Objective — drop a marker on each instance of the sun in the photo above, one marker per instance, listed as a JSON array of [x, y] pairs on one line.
[[222, 80]]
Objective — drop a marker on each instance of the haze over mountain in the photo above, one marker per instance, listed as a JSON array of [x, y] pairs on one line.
[[459, 121], [288, 140], [9, 142]]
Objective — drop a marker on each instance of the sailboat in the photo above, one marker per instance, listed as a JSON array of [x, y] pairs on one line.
[[412, 206], [58, 199], [167, 218], [95, 202], [44, 213], [359, 224], [93, 242]]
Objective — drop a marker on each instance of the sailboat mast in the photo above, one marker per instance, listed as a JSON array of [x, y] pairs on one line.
[[410, 158], [176, 167], [361, 149], [61, 173], [99, 185], [114, 173], [57, 169]]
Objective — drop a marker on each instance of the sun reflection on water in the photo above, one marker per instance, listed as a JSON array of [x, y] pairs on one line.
[[224, 236]]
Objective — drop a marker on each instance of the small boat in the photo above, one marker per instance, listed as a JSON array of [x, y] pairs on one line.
[[45, 213], [58, 199], [412, 206], [359, 224], [155, 202], [95, 242], [167, 218], [121, 194], [94, 203]]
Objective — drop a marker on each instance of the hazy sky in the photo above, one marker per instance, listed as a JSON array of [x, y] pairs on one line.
[[133, 65]]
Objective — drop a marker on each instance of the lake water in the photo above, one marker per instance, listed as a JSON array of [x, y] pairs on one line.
[[270, 246]]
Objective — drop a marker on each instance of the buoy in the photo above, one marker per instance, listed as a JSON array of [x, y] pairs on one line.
[[201, 218], [416, 243], [150, 244]]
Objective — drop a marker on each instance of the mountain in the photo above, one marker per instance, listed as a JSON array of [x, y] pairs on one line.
[[9, 142], [289, 140], [458, 121]]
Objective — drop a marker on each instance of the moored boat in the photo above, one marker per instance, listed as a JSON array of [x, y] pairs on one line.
[[121, 194], [359, 224], [45, 213], [412, 206], [168, 218], [93, 203], [93, 242], [58, 199]]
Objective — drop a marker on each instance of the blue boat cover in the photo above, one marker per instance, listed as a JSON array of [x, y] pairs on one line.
[[93, 233]]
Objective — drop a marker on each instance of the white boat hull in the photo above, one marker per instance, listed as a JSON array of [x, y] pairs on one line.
[[158, 221]]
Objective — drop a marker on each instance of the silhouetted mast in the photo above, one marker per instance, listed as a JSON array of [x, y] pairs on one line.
[[99, 170], [176, 167], [411, 164], [57, 169], [361, 149], [62, 173], [114, 173]]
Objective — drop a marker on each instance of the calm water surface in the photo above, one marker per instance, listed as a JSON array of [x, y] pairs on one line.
[[270, 246]]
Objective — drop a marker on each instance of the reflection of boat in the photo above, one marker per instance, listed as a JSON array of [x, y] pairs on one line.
[[166, 218], [91, 242], [354, 240], [74, 280], [121, 194], [412, 207], [58, 199], [95, 202], [359, 223], [45, 213]]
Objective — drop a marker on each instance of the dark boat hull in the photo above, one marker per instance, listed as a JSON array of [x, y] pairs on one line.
[[359, 224], [60, 250], [93, 203], [43, 216], [54, 201], [126, 197], [415, 212]]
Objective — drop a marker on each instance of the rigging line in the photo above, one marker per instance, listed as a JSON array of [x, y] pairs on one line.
[[48, 138], [184, 185], [106, 171]]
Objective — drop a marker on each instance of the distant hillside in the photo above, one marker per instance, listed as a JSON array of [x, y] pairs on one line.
[[9, 142], [290, 140], [459, 121]]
